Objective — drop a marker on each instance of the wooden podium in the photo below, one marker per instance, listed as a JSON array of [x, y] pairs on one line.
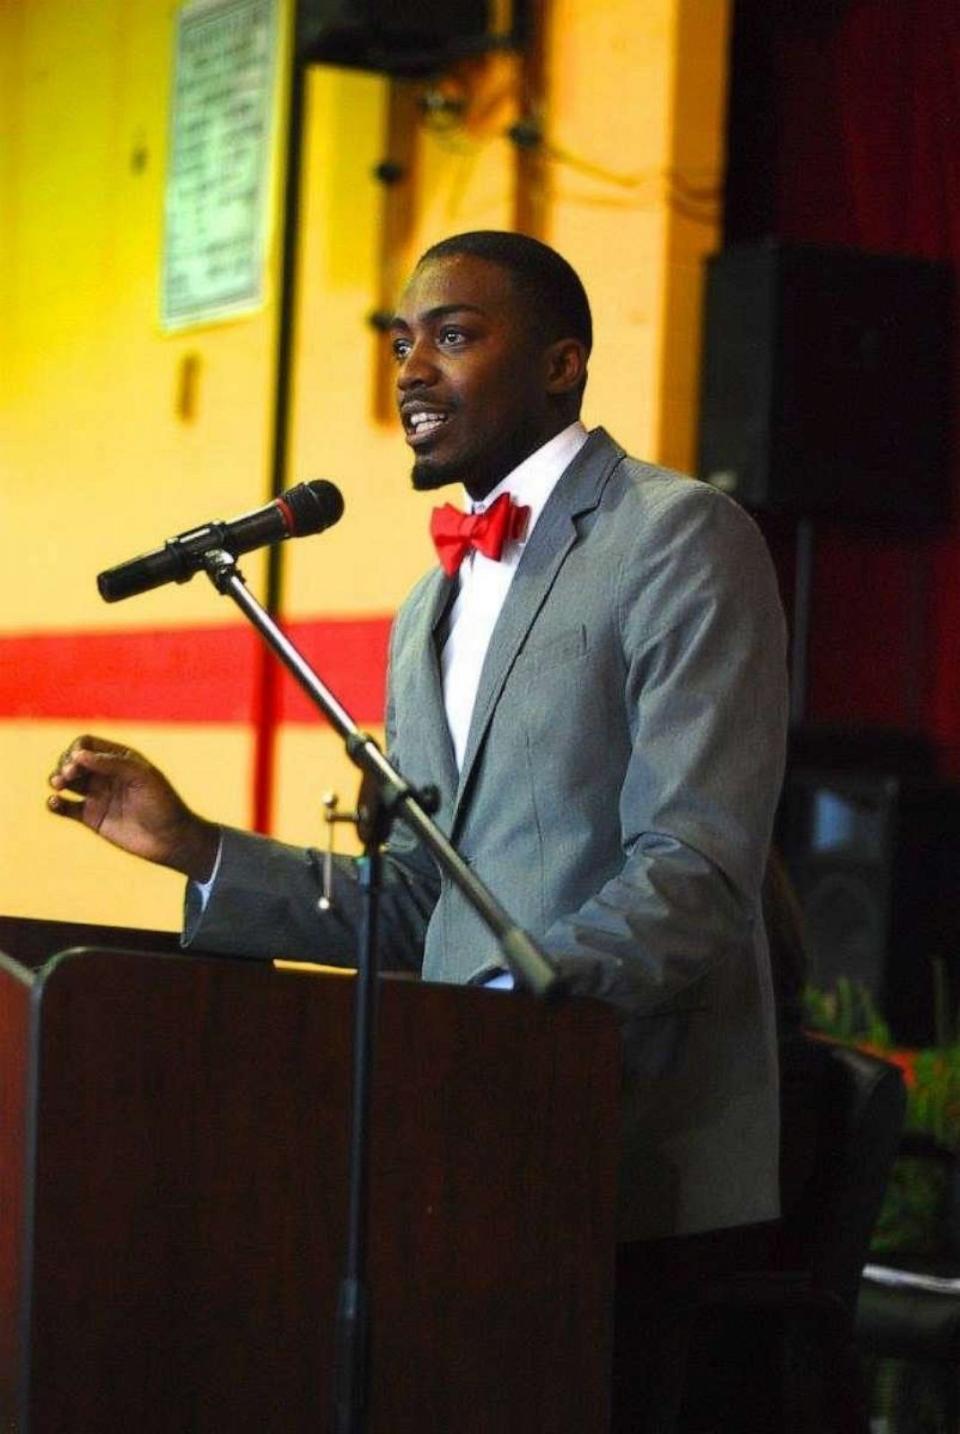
[[172, 1196]]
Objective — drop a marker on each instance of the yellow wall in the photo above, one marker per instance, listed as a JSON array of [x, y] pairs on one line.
[[95, 462]]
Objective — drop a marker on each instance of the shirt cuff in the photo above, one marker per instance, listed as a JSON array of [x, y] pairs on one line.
[[200, 890], [499, 981]]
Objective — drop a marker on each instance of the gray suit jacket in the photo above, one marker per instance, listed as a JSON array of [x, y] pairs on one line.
[[617, 794]]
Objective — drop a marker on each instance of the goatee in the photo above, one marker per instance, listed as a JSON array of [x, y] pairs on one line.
[[425, 477]]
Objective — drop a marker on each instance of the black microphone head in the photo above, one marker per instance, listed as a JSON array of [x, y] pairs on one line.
[[313, 506]]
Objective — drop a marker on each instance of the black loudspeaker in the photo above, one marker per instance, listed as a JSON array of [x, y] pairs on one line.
[[826, 386], [875, 861], [402, 37]]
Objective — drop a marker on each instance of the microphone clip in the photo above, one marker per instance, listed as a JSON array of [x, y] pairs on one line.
[[368, 817], [331, 816], [219, 565], [195, 550]]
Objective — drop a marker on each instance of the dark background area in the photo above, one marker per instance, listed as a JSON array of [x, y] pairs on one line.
[[844, 134], [845, 131]]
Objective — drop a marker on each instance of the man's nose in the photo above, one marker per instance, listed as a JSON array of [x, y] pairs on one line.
[[416, 369]]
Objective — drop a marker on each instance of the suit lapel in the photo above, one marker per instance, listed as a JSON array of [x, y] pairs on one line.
[[428, 692], [554, 535]]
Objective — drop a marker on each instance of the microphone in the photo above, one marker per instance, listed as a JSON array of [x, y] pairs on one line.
[[307, 508]]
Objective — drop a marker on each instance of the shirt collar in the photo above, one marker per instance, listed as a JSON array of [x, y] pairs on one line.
[[532, 481]]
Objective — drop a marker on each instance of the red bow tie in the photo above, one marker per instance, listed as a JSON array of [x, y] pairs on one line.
[[455, 533]]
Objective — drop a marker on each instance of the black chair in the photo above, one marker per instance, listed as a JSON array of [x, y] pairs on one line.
[[774, 1348], [909, 1311]]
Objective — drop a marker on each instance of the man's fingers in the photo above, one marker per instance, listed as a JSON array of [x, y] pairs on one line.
[[72, 773], [78, 763], [105, 762], [74, 780], [64, 807], [89, 743], [86, 750]]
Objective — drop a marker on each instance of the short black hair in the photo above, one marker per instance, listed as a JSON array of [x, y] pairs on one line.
[[557, 297]]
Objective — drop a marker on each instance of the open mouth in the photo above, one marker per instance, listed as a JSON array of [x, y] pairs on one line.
[[423, 423]]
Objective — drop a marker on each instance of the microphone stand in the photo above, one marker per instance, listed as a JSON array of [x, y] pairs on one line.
[[384, 795]]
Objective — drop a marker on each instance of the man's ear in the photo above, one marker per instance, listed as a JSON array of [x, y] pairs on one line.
[[566, 366]]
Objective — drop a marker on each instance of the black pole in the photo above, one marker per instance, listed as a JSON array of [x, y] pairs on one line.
[[351, 1370], [287, 288]]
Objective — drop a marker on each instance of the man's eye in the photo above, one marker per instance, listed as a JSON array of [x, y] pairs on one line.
[[449, 336], [401, 347]]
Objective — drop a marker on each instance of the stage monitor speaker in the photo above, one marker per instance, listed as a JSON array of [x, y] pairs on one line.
[[826, 384], [402, 37], [875, 861]]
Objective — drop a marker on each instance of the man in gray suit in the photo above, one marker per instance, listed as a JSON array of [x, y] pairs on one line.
[[594, 681]]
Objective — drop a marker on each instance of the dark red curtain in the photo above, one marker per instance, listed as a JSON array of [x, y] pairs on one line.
[[862, 100]]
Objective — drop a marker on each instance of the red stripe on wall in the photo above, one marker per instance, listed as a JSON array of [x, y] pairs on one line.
[[190, 674], [350, 656], [266, 717]]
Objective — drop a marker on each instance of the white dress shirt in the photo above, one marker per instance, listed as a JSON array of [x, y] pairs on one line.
[[484, 582]]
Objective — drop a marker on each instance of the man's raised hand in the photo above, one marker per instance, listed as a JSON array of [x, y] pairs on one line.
[[117, 793]]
